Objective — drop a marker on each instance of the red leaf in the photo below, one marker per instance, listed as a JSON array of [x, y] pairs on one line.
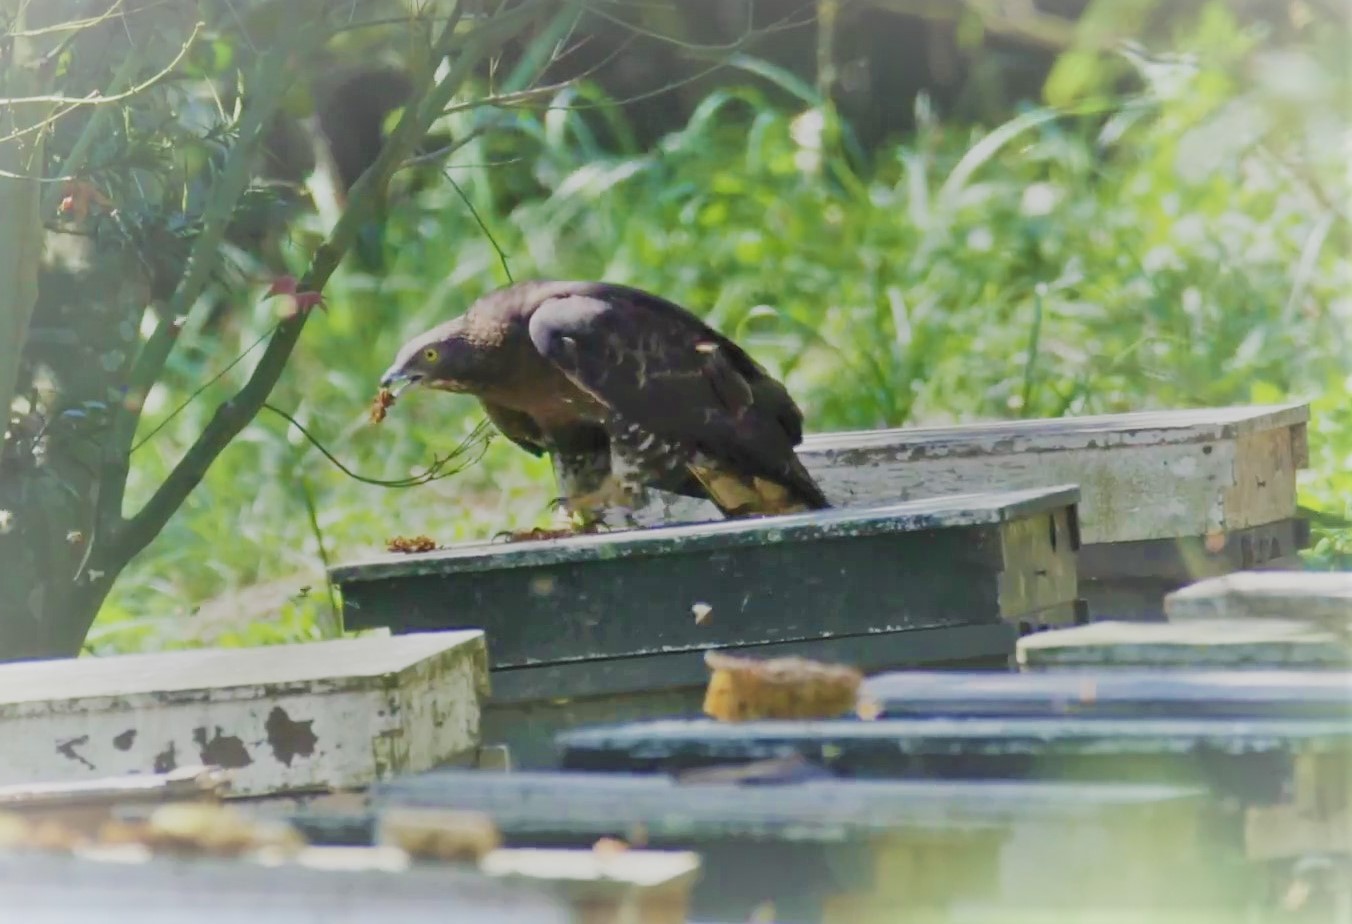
[[304, 301]]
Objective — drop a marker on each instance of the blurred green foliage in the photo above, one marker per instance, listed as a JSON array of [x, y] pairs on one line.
[[1166, 231]]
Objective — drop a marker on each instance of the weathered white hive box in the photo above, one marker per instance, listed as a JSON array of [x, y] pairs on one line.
[[1219, 643], [1166, 497], [284, 718], [1322, 599], [1143, 475], [334, 885]]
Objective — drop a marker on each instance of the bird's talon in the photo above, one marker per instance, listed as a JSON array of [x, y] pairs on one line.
[[535, 533]]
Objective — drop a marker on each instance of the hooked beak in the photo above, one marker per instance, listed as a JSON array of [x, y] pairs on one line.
[[400, 379]]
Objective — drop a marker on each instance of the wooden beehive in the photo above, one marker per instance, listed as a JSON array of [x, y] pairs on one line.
[[614, 626], [1166, 497], [1286, 768], [282, 718], [1123, 693], [852, 852], [1230, 643], [1319, 599], [332, 885]]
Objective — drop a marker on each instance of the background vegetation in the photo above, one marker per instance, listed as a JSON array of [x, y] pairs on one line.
[[1168, 227]]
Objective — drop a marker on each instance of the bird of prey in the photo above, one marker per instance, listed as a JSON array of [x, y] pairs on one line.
[[625, 391]]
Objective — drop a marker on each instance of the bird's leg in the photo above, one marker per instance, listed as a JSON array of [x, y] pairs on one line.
[[609, 507], [555, 505], [589, 524]]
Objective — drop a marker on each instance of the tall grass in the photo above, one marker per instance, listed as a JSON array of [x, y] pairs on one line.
[[1140, 254]]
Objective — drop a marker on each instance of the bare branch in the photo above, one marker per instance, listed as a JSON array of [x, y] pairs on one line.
[[95, 99], [457, 144], [468, 50], [75, 160], [271, 78], [114, 11]]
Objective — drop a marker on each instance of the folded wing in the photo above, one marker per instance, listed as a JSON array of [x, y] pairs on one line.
[[676, 387]]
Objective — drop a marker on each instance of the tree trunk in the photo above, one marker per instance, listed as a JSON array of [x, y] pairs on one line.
[[80, 345], [21, 160], [64, 464]]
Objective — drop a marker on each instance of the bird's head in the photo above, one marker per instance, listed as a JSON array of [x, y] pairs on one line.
[[441, 358]]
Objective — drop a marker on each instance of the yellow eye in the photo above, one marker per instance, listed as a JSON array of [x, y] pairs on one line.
[[430, 354]]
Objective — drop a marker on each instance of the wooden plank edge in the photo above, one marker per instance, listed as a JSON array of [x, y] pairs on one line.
[[940, 512], [870, 652], [955, 438]]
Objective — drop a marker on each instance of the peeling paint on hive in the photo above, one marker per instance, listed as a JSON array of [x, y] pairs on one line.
[[279, 719], [288, 738]]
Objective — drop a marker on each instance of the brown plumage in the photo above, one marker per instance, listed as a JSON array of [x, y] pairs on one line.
[[625, 391]]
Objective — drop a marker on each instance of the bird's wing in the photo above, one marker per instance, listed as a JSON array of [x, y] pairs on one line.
[[516, 426], [671, 376]]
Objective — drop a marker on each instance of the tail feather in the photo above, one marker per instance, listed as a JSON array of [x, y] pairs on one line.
[[738, 495], [806, 487]]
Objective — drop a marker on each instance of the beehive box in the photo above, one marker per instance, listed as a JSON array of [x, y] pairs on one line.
[[1232, 643], [1126, 693], [1166, 497], [1286, 772], [1319, 599], [614, 626], [282, 718], [852, 852], [333, 885]]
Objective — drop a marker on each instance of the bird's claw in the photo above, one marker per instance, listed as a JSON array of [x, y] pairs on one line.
[[535, 533]]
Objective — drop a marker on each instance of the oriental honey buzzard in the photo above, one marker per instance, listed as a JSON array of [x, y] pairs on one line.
[[625, 391]]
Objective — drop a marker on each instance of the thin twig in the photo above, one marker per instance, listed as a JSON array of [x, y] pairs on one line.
[[504, 100], [446, 151], [76, 159], [72, 104], [433, 472], [334, 622], [197, 392], [1034, 344], [502, 254]]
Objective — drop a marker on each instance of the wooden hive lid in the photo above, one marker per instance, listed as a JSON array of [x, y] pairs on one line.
[[1194, 643], [953, 510], [1124, 693], [1320, 598], [892, 747], [598, 804], [1091, 431], [338, 664]]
